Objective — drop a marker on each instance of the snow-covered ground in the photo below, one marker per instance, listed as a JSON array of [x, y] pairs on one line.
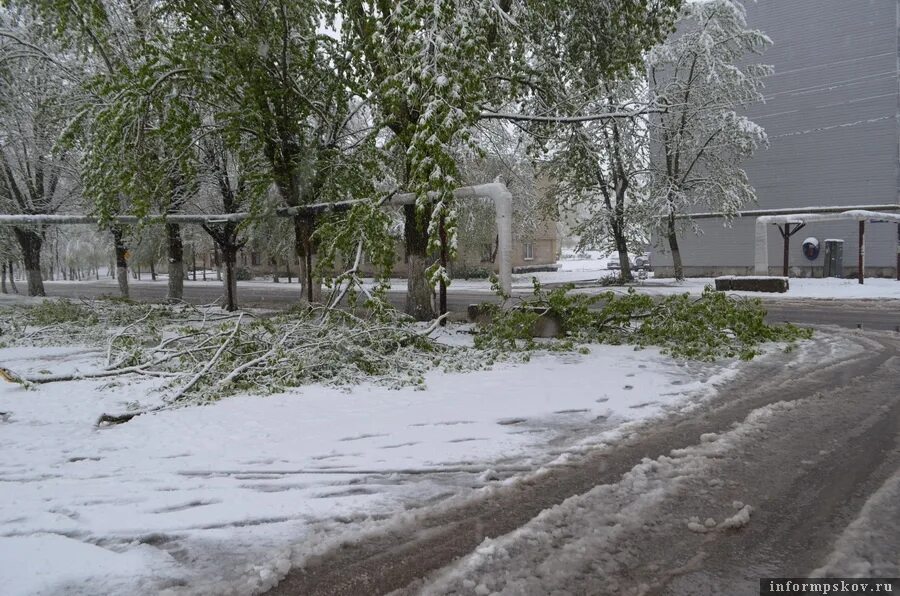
[[225, 498]]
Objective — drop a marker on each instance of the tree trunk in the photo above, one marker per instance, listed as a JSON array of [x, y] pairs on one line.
[[152, 270], [12, 279], [54, 265], [225, 239], [617, 224], [30, 243], [229, 255], [175, 253], [418, 291], [672, 235], [121, 261], [310, 288], [624, 262], [3, 279], [442, 302], [217, 262]]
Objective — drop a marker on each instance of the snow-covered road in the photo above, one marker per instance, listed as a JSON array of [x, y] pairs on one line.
[[792, 469]]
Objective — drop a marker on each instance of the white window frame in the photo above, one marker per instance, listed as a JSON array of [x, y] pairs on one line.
[[528, 248]]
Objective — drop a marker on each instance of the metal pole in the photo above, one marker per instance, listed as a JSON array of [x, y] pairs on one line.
[[862, 251], [787, 248]]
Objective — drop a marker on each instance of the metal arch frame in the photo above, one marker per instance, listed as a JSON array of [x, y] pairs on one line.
[[761, 256], [496, 191]]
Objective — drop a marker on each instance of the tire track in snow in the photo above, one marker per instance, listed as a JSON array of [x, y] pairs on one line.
[[417, 544]]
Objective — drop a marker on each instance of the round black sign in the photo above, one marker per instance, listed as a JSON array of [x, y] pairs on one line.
[[811, 248]]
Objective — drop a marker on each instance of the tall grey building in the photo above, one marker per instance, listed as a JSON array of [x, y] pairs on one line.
[[832, 114]]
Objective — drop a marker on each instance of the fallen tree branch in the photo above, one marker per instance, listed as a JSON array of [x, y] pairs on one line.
[[210, 363], [118, 335], [435, 324], [203, 360], [258, 360], [114, 419]]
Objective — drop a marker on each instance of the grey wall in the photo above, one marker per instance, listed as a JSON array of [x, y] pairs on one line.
[[831, 113]]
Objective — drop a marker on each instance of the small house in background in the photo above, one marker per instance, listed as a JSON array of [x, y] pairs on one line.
[[536, 249]]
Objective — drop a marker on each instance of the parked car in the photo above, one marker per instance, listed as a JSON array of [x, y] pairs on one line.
[[642, 261]]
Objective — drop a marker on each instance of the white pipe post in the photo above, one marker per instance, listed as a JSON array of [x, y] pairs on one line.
[[503, 207], [502, 199], [761, 256]]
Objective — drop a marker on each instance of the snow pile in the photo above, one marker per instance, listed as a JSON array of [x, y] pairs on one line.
[[220, 499], [47, 563], [738, 520]]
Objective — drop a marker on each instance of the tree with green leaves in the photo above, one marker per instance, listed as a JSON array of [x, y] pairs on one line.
[[278, 74], [130, 126], [328, 94], [438, 68], [599, 172], [35, 176], [427, 65], [702, 76]]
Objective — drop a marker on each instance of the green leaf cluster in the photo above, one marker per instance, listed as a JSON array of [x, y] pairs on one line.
[[710, 327], [53, 312]]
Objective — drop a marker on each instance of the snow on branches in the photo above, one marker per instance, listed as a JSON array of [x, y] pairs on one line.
[[204, 353], [701, 77]]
